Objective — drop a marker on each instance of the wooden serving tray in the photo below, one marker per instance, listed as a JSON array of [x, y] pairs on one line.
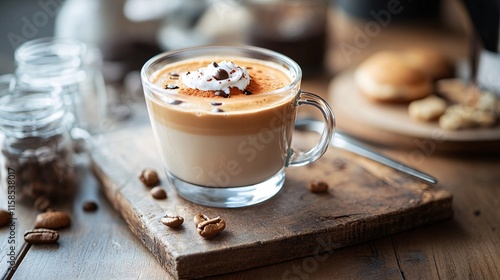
[[365, 201]]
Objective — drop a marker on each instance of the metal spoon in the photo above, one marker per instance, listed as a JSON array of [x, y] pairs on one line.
[[347, 143]]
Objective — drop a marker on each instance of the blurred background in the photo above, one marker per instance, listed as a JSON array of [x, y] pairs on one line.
[[128, 32], [325, 37], [328, 38]]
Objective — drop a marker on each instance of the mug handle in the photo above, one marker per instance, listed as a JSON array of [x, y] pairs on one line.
[[302, 158]]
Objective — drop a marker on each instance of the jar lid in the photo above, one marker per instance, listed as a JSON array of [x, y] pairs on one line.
[[56, 60]]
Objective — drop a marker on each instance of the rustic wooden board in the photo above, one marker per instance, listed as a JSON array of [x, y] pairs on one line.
[[365, 201]]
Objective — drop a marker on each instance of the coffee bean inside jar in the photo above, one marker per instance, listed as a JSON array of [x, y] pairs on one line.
[[37, 147]]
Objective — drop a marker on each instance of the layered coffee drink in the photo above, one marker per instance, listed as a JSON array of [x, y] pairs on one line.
[[223, 121]]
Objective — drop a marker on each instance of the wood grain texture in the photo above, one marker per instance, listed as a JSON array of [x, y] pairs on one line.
[[97, 245], [365, 201]]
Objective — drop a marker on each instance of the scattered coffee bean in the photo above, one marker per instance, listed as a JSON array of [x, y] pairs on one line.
[[42, 203], [158, 193], [217, 110], [221, 93], [149, 177], [52, 220], [89, 206], [171, 87], [221, 74], [216, 103], [207, 227], [41, 236], [5, 218], [215, 64], [198, 218], [172, 221], [317, 186], [247, 92]]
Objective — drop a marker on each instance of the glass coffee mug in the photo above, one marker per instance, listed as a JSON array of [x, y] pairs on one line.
[[229, 152]]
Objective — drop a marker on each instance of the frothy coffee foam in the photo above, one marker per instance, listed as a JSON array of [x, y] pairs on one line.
[[264, 77]]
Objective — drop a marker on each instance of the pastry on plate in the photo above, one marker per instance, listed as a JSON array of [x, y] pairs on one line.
[[430, 61], [390, 77]]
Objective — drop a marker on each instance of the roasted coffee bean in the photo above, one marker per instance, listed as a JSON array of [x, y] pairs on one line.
[[247, 92], [158, 193], [317, 186], [89, 206], [215, 64], [221, 93], [207, 227], [41, 236], [5, 218], [216, 103], [42, 203], [221, 74], [211, 227], [172, 221], [198, 218], [52, 220], [149, 177]]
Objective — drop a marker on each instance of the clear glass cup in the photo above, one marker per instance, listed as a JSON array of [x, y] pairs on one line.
[[233, 155]]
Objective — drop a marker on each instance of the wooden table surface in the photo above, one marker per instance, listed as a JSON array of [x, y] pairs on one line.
[[99, 245]]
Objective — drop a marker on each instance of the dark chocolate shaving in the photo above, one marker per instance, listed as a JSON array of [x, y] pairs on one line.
[[171, 87], [221, 93], [221, 75], [174, 102]]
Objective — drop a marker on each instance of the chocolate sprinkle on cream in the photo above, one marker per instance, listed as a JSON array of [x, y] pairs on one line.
[[174, 76], [221, 93], [221, 74], [171, 87], [174, 102]]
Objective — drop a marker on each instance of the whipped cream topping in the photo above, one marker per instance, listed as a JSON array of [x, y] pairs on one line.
[[217, 76]]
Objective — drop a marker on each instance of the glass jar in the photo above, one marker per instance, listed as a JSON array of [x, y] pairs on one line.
[[37, 154], [74, 67]]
